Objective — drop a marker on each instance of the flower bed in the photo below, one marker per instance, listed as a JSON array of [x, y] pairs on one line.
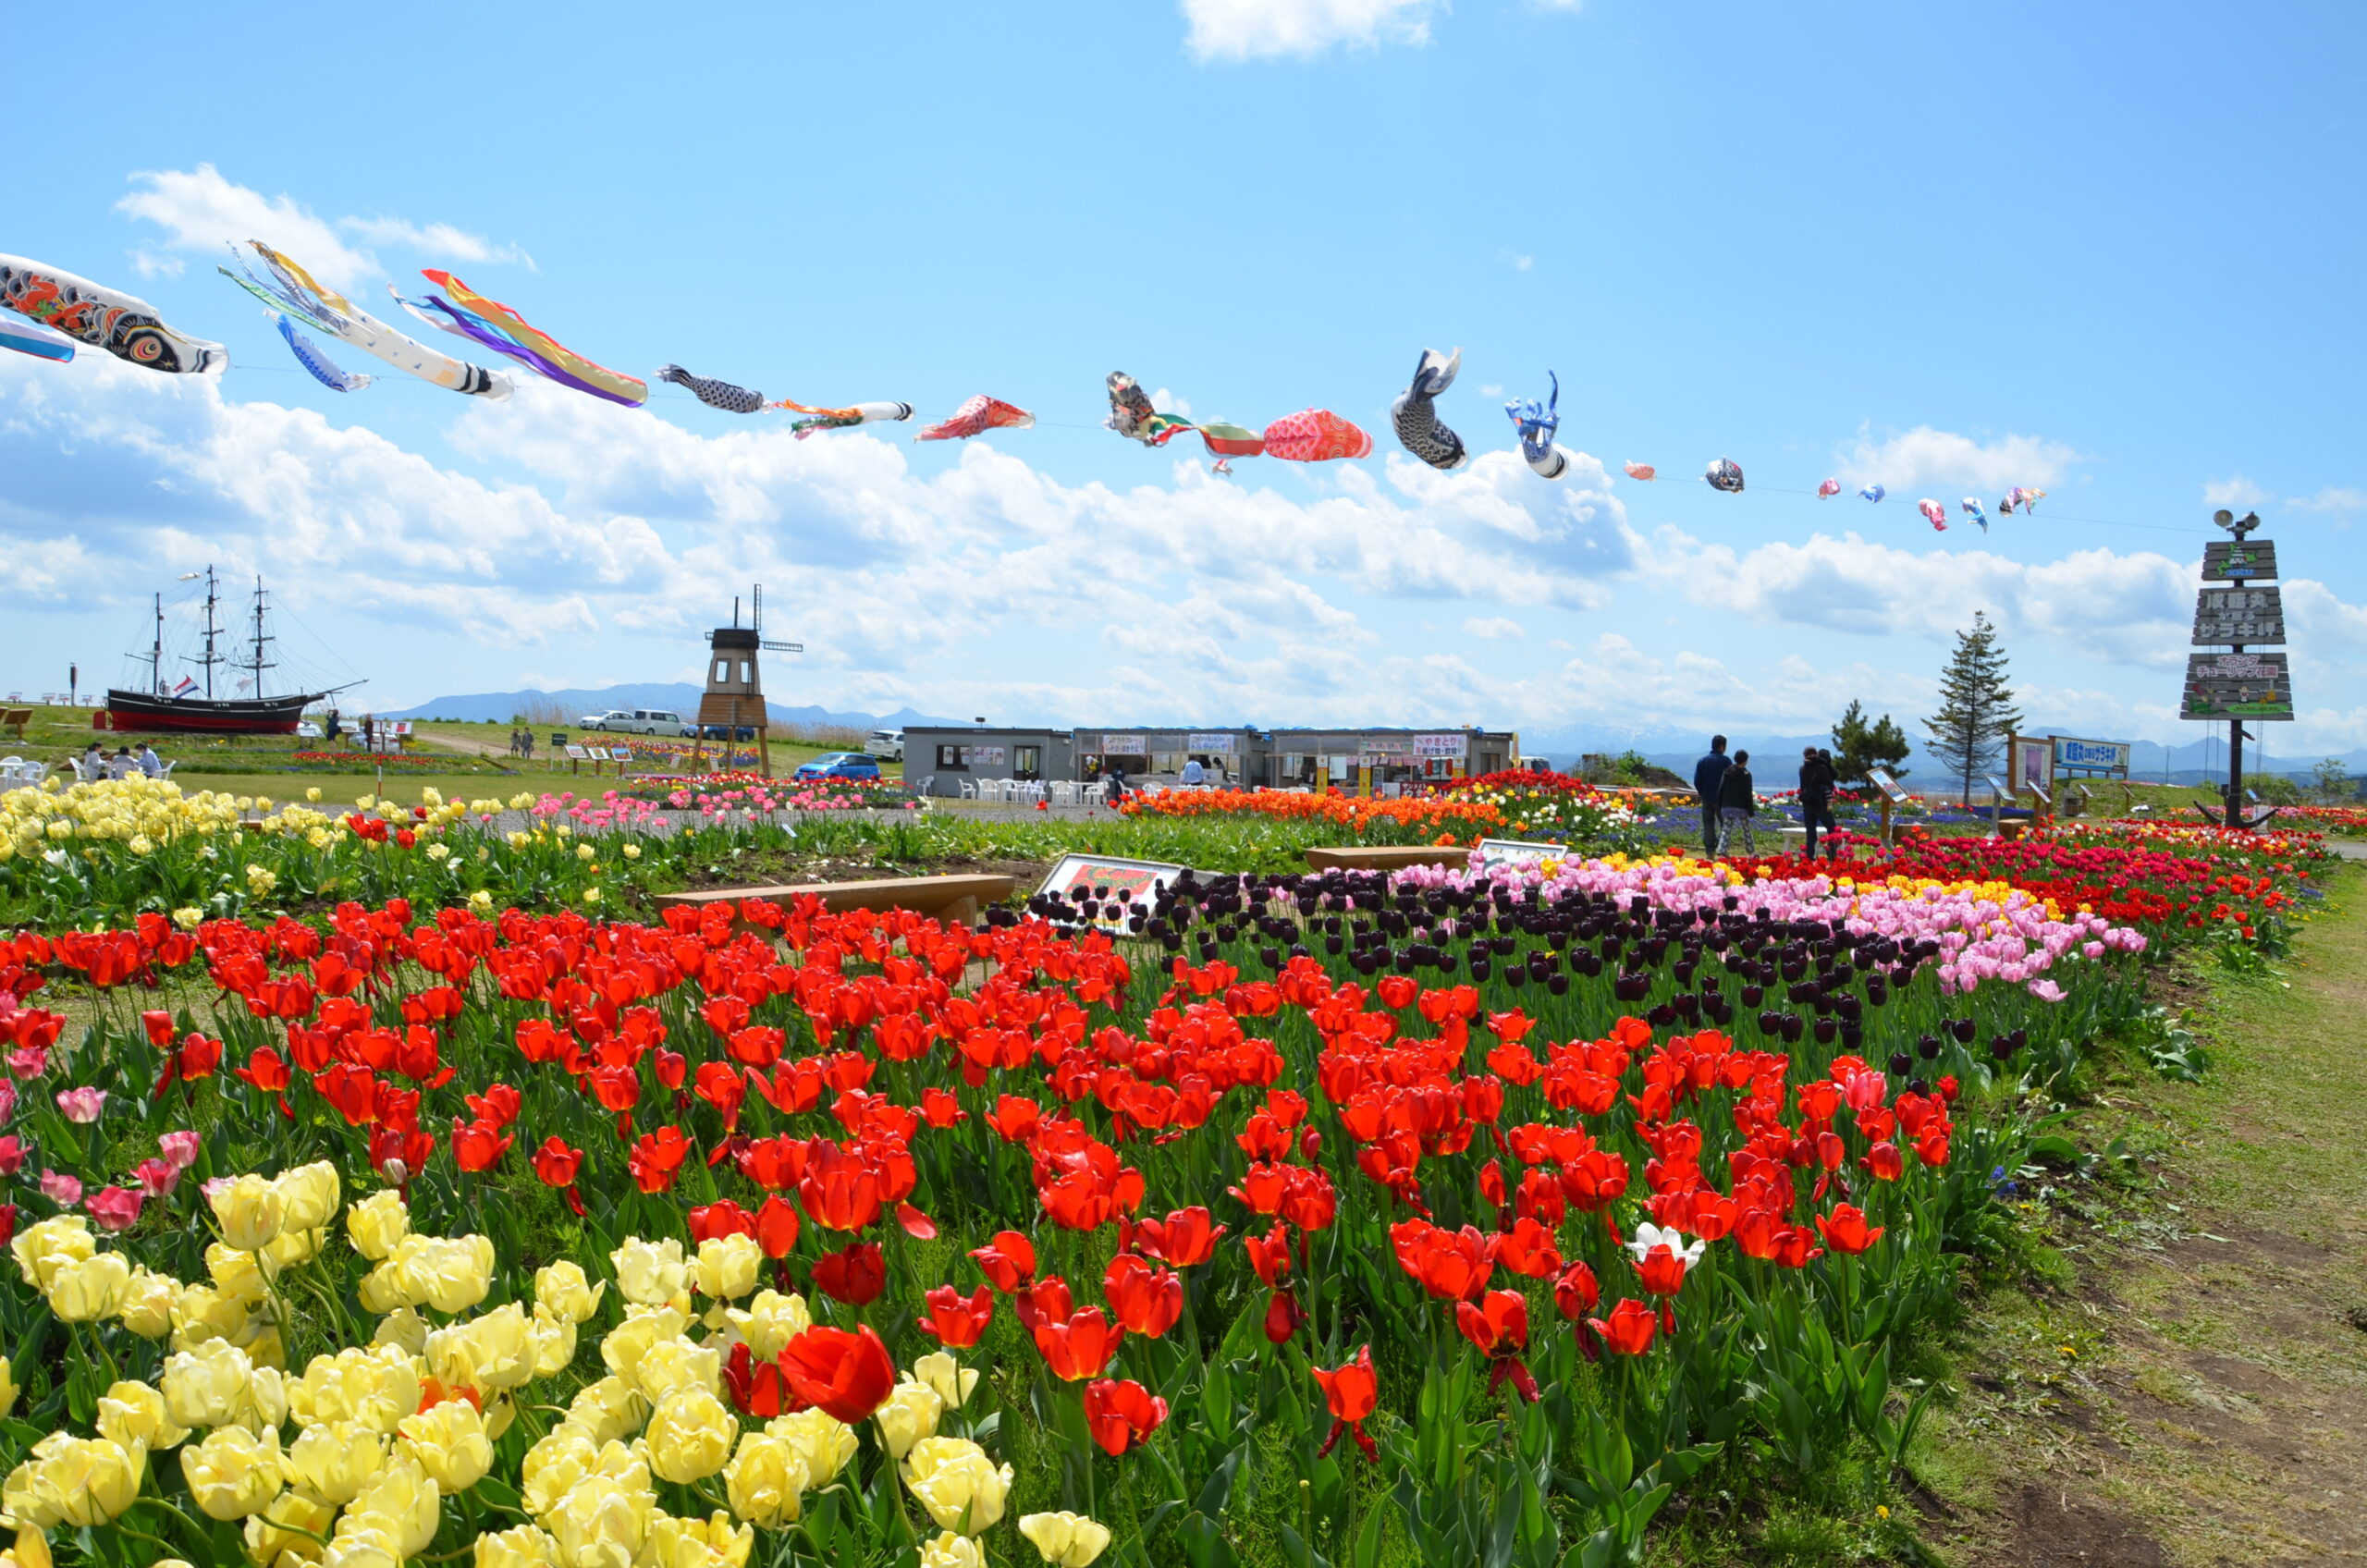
[[772, 1235], [1409, 819], [1551, 807]]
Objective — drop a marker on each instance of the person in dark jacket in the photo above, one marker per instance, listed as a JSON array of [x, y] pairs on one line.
[[1816, 796], [1737, 806], [1706, 775]]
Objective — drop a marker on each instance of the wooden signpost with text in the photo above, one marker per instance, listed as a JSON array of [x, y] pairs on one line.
[[2238, 683]]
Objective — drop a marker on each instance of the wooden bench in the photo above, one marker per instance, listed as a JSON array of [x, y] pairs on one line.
[[16, 720], [940, 898], [1386, 857]]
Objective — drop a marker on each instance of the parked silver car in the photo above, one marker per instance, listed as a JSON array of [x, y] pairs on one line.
[[640, 721]]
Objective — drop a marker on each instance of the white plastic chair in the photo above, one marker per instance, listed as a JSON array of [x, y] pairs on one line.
[[969, 788]]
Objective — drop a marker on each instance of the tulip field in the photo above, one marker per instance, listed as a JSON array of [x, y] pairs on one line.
[[1442, 1217]]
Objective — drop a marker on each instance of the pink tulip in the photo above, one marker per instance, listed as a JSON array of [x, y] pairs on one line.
[[29, 1061], [115, 1209], [81, 1107], [179, 1149], [12, 1155], [156, 1176], [7, 1098], [60, 1189]]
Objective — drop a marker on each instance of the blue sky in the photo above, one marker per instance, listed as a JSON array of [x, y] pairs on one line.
[[1947, 251]]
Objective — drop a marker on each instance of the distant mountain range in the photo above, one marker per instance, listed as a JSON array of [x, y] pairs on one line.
[[573, 702]]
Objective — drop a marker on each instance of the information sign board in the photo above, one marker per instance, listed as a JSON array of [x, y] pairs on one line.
[[1494, 852], [2108, 757], [2239, 560], [2240, 614], [1218, 742], [1881, 780], [1120, 886], [2237, 686]]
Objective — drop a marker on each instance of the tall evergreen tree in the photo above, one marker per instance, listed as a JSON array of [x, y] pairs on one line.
[[1976, 708], [1859, 744]]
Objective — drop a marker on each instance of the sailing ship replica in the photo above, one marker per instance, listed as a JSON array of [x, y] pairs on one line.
[[189, 704]]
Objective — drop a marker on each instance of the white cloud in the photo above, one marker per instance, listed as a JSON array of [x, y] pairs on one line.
[[1166, 402], [1522, 264], [440, 240], [1494, 628], [2333, 499], [1247, 29], [200, 210], [2232, 493], [1943, 458], [2130, 609]]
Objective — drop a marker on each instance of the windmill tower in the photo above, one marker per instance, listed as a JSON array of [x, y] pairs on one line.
[[734, 698]]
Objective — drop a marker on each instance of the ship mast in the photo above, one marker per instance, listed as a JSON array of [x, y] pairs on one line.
[[156, 652], [257, 664], [213, 633]]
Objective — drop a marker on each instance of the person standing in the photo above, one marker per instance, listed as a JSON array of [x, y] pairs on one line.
[[1737, 805], [1194, 774], [1816, 797], [1709, 774]]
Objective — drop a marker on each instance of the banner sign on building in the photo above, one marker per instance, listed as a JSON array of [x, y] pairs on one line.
[[1452, 746], [990, 756], [2239, 560], [1219, 743], [2237, 686], [1125, 745], [2240, 614]]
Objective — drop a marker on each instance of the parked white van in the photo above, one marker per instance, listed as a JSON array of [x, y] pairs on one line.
[[640, 721], [887, 744]]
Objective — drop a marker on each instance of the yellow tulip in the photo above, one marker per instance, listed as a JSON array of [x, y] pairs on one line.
[[448, 1274], [951, 1380], [233, 1472], [332, 1464], [237, 1275], [954, 1480], [650, 1273], [377, 1224], [207, 1387], [274, 1536], [90, 1289], [950, 1551], [148, 1302], [134, 1413], [523, 1547], [8, 1390], [554, 1341], [562, 1287], [201, 1313], [672, 1366], [689, 1436], [402, 1501], [599, 1522], [311, 1196], [624, 1345], [697, 1543], [1065, 1540], [608, 1410], [770, 1322], [449, 1442], [909, 1415], [726, 1266], [404, 1328], [71, 1480], [823, 1442], [45, 1247], [249, 1209], [374, 1388], [488, 1354], [766, 1480]]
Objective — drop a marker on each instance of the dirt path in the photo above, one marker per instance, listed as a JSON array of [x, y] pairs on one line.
[[2186, 1384]]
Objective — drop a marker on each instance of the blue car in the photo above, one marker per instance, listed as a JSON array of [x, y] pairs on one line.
[[839, 764]]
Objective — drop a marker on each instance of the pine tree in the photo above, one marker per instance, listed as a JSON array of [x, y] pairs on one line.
[[1859, 746], [1976, 708]]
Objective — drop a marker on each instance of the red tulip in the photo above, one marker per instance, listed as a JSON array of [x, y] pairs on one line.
[[1351, 1392], [1661, 1271], [1014, 1118], [1630, 1329], [1183, 1240], [478, 1145], [854, 1275], [1884, 1163], [656, 1157], [940, 1109], [557, 1164], [777, 1226], [723, 1217], [1045, 1301], [1121, 1412], [755, 1387], [722, 1087], [1450, 1265], [1846, 1230], [498, 1104], [1497, 1323], [1283, 1315], [1576, 1290], [1145, 1301], [849, 1375], [159, 1026], [1270, 1253], [1080, 1348], [669, 1067], [1008, 1260], [1528, 1249], [957, 1320], [839, 1190]]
